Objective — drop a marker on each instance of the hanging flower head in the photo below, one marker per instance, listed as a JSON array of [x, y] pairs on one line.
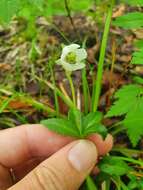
[[72, 58]]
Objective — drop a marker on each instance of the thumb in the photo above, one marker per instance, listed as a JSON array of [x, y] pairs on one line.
[[66, 169]]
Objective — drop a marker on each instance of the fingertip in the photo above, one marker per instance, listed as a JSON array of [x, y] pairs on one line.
[[103, 146]]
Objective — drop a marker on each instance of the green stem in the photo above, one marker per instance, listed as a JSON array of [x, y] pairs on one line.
[[85, 86], [85, 90], [68, 74], [67, 100], [129, 152], [131, 160], [118, 130], [98, 83], [55, 93]]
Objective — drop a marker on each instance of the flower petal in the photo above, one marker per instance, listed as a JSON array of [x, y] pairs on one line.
[[67, 49], [81, 54], [73, 67], [78, 66]]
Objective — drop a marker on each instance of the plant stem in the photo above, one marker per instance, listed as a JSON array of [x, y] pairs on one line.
[[68, 74], [55, 93], [85, 90], [85, 86], [98, 83], [126, 151], [131, 160], [67, 100], [70, 17]]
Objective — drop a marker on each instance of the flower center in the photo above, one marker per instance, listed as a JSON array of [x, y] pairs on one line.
[[71, 58]]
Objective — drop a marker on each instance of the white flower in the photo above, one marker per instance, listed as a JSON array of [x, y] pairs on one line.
[[72, 58]]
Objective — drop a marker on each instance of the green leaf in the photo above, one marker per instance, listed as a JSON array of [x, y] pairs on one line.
[[125, 100], [38, 3], [98, 128], [134, 122], [137, 58], [133, 2], [90, 184], [92, 124], [91, 119], [138, 44], [8, 8], [61, 126], [80, 5], [113, 166], [130, 103], [138, 80], [130, 21], [75, 117]]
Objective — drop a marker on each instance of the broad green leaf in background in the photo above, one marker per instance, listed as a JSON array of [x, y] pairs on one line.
[[138, 80], [80, 5], [57, 7], [132, 20], [137, 58], [138, 43], [125, 99], [8, 8], [134, 122], [38, 3], [130, 104], [133, 2]]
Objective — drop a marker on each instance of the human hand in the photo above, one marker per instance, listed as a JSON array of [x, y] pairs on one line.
[[62, 162]]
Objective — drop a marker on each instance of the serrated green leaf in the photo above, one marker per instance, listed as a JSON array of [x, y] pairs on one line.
[[92, 124], [75, 117], [61, 126], [130, 102], [130, 21], [113, 166], [97, 128], [126, 99], [91, 119], [134, 122]]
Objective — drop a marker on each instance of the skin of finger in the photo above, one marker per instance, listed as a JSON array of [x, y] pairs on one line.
[[28, 141], [16, 153], [5, 178], [106, 145], [53, 175], [17, 145], [23, 169], [103, 146]]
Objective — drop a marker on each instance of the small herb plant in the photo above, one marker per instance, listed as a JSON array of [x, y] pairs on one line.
[[77, 124]]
